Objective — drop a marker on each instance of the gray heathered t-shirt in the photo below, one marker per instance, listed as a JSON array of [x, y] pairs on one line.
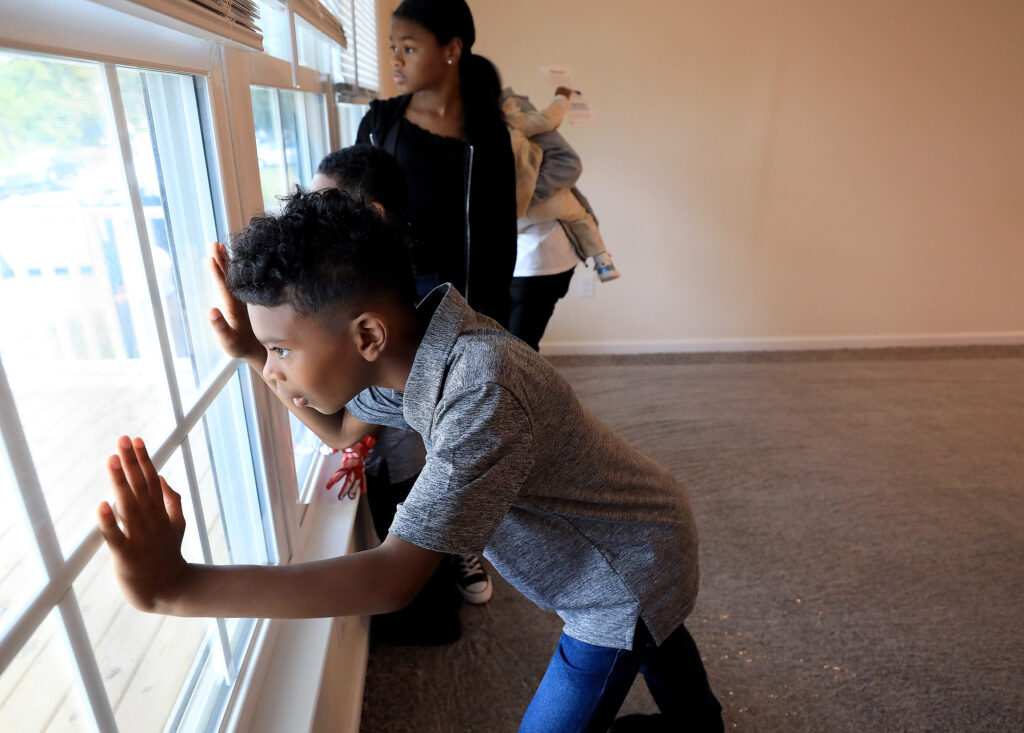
[[518, 470]]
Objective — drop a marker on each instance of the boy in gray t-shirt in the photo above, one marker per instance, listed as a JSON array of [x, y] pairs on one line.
[[516, 468]]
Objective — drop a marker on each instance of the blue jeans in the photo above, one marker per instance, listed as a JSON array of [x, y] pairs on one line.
[[586, 684]]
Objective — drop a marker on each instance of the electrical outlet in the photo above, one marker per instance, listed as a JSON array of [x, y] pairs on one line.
[[585, 283]]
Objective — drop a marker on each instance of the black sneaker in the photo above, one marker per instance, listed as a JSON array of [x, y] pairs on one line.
[[471, 579], [640, 724]]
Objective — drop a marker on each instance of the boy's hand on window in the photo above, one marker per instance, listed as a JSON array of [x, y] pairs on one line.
[[146, 547], [231, 320]]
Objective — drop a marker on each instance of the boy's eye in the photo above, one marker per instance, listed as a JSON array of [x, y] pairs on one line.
[[408, 49], [281, 353]]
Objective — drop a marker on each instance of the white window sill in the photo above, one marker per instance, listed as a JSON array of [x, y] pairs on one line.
[[280, 687]]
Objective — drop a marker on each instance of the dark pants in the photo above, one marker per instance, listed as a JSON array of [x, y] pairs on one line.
[[433, 616], [533, 303], [585, 685]]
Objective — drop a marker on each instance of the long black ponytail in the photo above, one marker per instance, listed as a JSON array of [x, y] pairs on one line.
[[479, 81]]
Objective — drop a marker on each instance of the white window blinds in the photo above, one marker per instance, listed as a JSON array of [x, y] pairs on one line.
[[366, 43], [324, 16], [231, 20], [359, 60]]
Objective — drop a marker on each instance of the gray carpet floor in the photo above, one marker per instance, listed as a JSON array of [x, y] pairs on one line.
[[862, 546]]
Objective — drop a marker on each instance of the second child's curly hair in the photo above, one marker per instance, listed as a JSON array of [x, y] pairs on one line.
[[369, 174], [324, 253]]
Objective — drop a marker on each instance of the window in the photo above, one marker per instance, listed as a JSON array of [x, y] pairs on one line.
[[291, 139], [126, 149], [358, 62], [357, 65], [106, 273], [42, 666], [293, 126], [276, 27]]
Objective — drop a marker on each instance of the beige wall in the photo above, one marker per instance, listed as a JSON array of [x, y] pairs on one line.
[[799, 172]]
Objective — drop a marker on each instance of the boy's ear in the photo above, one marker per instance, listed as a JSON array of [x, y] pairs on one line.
[[371, 334]]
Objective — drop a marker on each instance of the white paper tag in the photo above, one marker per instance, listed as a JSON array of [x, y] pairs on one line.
[[580, 112], [558, 76]]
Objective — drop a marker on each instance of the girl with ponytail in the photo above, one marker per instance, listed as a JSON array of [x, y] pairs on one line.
[[449, 138]]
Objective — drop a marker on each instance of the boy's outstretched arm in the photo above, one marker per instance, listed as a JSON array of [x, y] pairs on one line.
[[234, 331], [154, 577]]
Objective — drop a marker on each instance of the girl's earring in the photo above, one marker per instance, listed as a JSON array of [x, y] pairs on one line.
[[449, 62]]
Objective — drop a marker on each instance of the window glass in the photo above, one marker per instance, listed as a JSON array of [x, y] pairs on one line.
[[305, 445], [240, 631], [296, 140], [233, 506], [315, 50], [21, 573], [269, 145], [38, 690], [144, 658], [291, 139], [84, 365], [349, 117], [82, 355], [277, 35], [170, 164], [201, 710], [305, 135]]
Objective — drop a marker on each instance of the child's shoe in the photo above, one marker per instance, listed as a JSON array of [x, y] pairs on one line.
[[472, 580], [640, 724], [604, 267]]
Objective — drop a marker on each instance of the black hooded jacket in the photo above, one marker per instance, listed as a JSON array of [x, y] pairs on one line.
[[461, 202]]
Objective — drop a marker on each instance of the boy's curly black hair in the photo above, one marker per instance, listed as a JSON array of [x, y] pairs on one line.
[[323, 253], [369, 174]]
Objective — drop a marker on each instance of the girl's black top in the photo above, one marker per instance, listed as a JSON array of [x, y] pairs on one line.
[[461, 205]]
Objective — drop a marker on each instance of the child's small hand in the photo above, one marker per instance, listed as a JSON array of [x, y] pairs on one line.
[[146, 548], [564, 91], [352, 472], [231, 321]]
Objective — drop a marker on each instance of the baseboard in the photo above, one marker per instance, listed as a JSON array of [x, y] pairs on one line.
[[804, 343]]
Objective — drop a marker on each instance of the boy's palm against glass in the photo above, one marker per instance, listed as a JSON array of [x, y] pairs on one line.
[[231, 321], [144, 528]]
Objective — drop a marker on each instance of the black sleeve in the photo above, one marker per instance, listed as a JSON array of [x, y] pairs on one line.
[[507, 201], [493, 243], [366, 126]]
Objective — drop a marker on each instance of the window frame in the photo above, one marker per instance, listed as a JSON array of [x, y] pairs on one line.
[[243, 71], [227, 115], [109, 33], [61, 572]]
